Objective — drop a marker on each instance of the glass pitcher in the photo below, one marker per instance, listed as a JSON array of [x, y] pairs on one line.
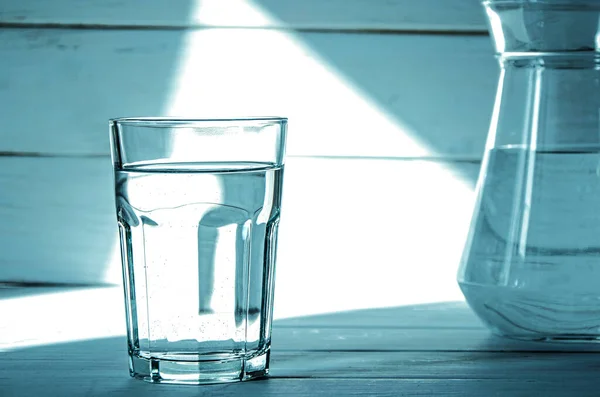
[[531, 264]]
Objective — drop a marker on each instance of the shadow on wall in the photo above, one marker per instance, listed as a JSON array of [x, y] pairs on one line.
[[55, 208], [54, 205], [444, 86]]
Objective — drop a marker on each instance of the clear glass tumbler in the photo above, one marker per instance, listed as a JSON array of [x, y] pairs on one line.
[[198, 205]]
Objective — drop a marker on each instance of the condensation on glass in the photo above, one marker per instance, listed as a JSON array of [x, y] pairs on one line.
[[198, 205]]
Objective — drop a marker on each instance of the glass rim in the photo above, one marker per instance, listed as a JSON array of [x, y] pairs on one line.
[[187, 122]]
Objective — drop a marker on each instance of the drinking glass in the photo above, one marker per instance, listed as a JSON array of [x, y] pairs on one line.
[[198, 205]]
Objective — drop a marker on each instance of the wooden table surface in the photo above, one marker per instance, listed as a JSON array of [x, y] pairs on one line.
[[51, 347]]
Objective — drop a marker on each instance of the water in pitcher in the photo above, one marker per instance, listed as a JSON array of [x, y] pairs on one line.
[[532, 262], [200, 239]]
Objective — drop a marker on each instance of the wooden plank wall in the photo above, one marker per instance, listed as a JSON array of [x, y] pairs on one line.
[[389, 105]]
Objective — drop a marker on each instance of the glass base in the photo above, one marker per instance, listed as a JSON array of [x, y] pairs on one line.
[[549, 338], [158, 370], [535, 315]]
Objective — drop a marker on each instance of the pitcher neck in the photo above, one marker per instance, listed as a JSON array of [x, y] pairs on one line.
[[526, 28]]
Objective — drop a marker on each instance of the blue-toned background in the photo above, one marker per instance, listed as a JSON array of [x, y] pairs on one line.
[[388, 104]]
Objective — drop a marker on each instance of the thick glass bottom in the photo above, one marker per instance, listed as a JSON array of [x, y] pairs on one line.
[[205, 371], [535, 316], [558, 338]]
